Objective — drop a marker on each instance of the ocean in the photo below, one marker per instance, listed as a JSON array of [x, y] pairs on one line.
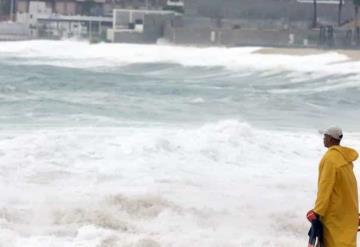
[[105, 145]]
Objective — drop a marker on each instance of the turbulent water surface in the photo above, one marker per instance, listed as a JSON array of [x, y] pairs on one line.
[[131, 145]]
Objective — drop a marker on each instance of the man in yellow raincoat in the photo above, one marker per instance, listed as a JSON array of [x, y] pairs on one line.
[[337, 198]]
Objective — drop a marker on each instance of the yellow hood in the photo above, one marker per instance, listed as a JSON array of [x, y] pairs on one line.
[[349, 154]]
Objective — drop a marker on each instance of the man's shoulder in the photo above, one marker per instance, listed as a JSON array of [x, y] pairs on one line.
[[333, 157]]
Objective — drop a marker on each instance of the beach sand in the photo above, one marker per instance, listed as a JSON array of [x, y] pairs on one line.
[[353, 55]]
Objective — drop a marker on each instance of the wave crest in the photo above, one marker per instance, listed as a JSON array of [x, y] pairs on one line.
[[77, 54]]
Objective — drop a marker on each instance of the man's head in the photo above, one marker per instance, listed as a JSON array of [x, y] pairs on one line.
[[332, 136]]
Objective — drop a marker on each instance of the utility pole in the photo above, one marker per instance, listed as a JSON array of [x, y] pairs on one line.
[[341, 3], [315, 14], [12, 5], [356, 22]]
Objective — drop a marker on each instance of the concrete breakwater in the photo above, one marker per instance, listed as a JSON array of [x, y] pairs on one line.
[[198, 31], [237, 32], [242, 37], [320, 37], [11, 31], [144, 26]]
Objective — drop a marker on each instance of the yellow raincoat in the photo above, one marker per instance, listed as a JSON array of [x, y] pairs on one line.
[[337, 197]]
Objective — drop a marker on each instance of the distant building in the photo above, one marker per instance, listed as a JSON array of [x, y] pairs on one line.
[[90, 7], [65, 18], [66, 7], [175, 5], [292, 10], [139, 26], [204, 22]]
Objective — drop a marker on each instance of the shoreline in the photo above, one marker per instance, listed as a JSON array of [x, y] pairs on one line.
[[353, 55]]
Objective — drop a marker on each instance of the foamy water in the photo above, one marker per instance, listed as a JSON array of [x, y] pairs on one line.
[[130, 145], [82, 55]]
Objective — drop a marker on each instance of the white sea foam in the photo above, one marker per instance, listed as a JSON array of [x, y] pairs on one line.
[[83, 55], [198, 100], [220, 184]]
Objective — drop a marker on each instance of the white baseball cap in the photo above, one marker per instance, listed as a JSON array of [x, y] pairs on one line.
[[334, 132]]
